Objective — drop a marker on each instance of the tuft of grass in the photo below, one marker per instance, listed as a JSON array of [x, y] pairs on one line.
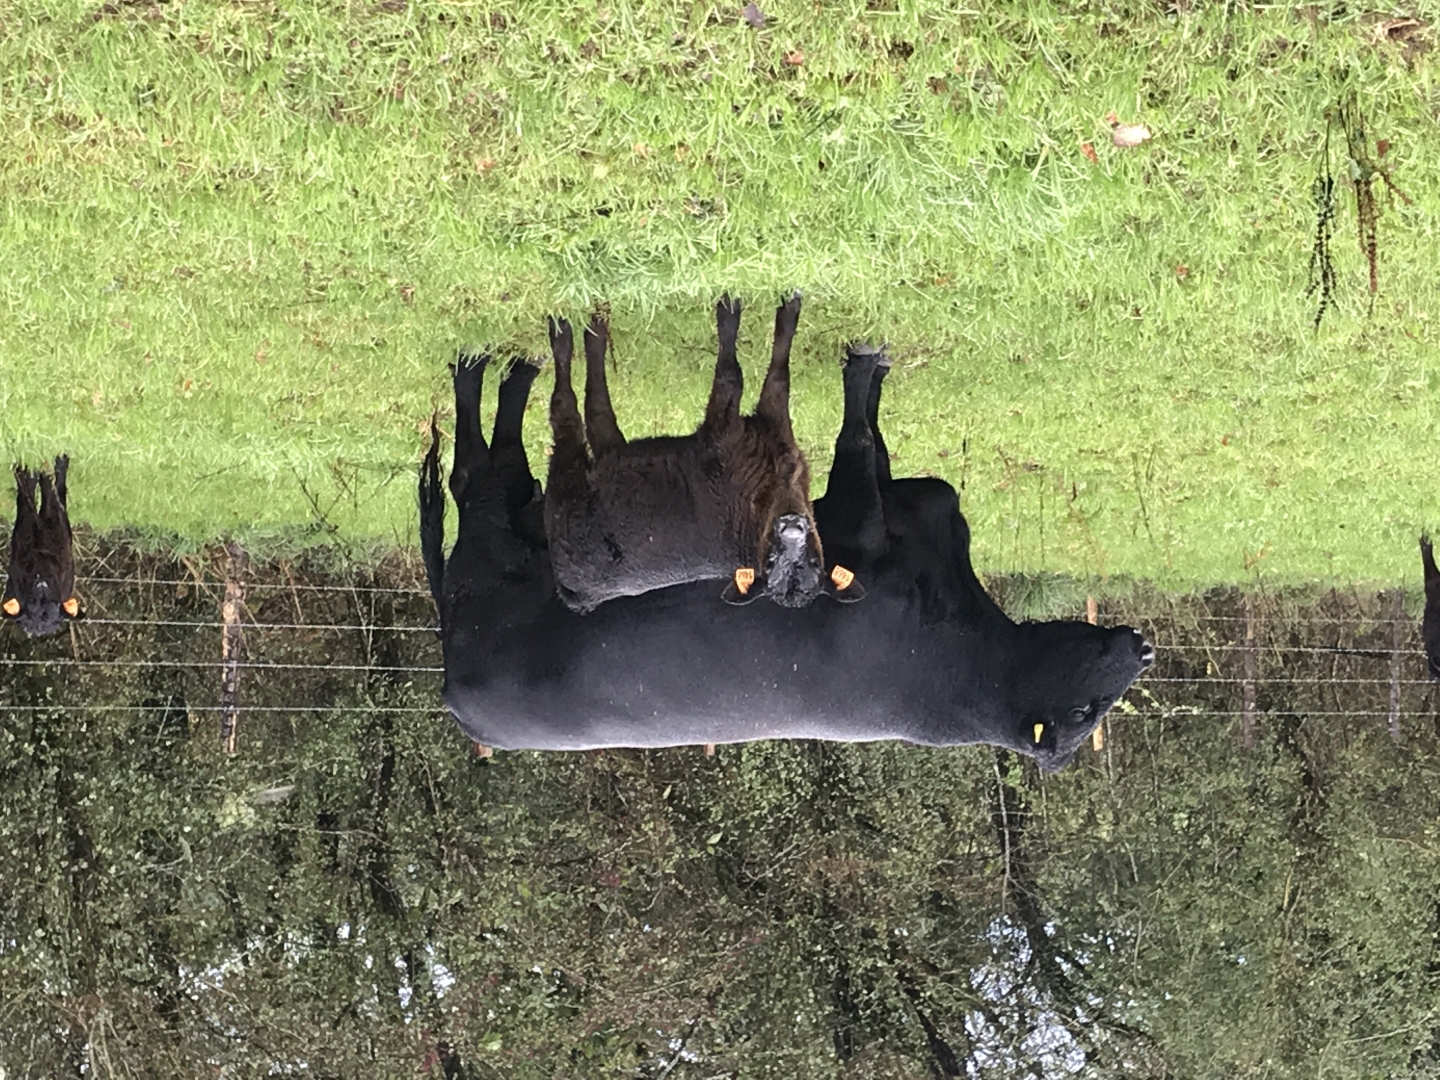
[[239, 243]]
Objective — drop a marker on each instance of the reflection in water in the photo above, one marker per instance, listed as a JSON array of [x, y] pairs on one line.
[[776, 908]]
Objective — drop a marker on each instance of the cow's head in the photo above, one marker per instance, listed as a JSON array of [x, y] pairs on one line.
[[790, 562], [1067, 676], [35, 604]]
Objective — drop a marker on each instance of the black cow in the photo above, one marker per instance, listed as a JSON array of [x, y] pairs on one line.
[[1430, 627], [730, 501], [40, 590], [928, 657]]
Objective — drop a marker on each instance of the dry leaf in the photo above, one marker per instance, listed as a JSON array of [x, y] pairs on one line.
[[1401, 29], [795, 59], [1088, 149]]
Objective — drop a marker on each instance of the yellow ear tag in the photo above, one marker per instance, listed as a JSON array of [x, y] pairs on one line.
[[842, 577], [12, 607], [72, 607], [744, 578], [1039, 730]]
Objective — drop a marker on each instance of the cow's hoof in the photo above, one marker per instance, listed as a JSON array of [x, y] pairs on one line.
[[865, 352]]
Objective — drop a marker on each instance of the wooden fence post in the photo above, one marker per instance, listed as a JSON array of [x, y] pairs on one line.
[[1251, 662], [232, 644], [1397, 613], [1092, 616]]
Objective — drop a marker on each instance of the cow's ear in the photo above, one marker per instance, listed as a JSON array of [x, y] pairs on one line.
[[12, 607], [72, 607], [741, 589], [843, 586]]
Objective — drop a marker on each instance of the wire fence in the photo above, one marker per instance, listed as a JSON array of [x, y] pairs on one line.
[[219, 583], [1224, 655], [427, 669]]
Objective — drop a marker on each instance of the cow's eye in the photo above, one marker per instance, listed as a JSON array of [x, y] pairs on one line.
[[1078, 714]]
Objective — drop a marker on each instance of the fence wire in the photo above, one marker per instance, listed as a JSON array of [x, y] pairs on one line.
[[1281, 647]]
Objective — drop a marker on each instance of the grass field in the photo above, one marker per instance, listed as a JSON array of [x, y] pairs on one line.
[[239, 242]]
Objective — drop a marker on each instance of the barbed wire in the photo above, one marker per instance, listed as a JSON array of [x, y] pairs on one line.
[[218, 624], [207, 623], [1113, 719], [165, 707], [421, 591], [266, 665], [259, 665], [219, 583], [1260, 647]]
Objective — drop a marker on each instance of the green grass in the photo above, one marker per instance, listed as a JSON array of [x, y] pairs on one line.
[[238, 243]]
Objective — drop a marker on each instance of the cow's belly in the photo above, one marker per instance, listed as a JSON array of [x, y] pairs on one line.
[[508, 718], [646, 673]]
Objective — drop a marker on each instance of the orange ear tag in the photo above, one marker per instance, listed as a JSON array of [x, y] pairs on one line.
[[12, 607], [744, 578], [842, 577], [1039, 730], [72, 607]]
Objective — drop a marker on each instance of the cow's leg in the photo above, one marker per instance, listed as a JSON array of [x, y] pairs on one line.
[[872, 416], [22, 538], [507, 444], [774, 404], [24, 494], [471, 453], [569, 465], [600, 425], [50, 510], [729, 383], [62, 468], [55, 530], [523, 500], [852, 518]]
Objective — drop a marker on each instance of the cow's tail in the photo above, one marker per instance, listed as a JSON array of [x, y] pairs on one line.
[[432, 514]]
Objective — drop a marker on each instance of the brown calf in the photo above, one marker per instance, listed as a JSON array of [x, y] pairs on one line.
[[730, 501]]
